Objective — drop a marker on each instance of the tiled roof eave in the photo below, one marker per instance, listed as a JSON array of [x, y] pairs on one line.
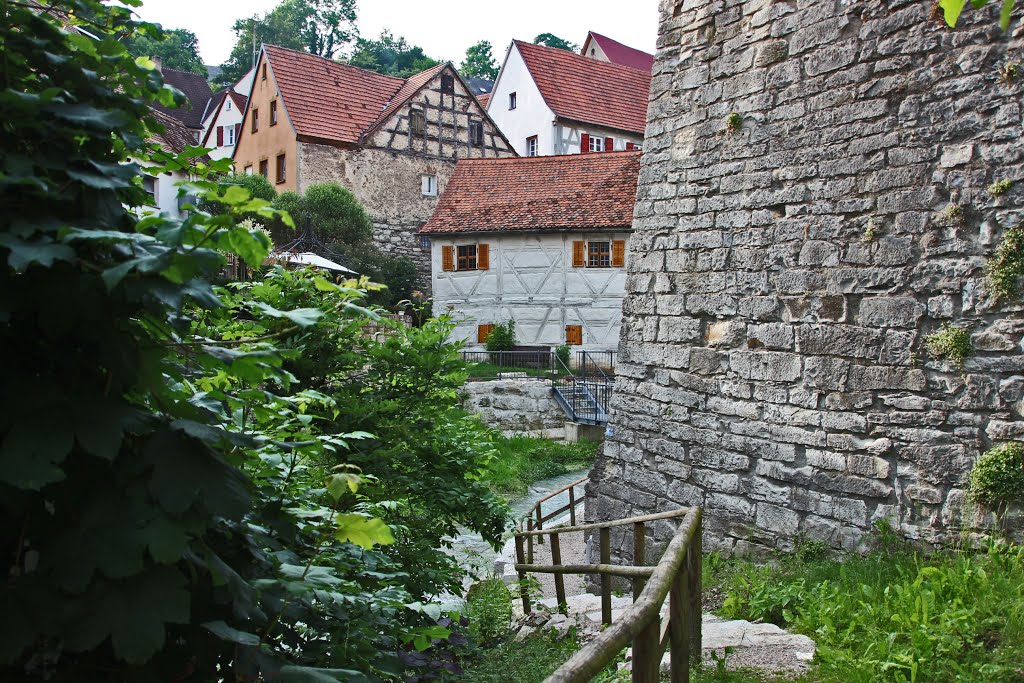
[[550, 230]]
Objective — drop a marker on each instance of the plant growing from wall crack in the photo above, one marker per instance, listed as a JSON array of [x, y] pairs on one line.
[[950, 343]]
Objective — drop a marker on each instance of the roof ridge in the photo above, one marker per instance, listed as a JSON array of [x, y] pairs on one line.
[[589, 60], [334, 63]]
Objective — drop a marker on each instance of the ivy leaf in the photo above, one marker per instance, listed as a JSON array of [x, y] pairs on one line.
[[24, 254], [951, 10], [32, 451], [253, 246], [225, 632], [337, 484], [363, 531]]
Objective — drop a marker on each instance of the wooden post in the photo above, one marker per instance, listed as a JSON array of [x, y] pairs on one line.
[[606, 579], [523, 592], [639, 558], [572, 505], [678, 628], [647, 653], [540, 523], [693, 570], [529, 541], [556, 559]]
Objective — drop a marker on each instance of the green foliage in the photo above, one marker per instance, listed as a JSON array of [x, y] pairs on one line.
[[522, 460], [894, 615], [953, 215], [390, 55], [1010, 73], [952, 343], [319, 27], [870, 232], [551, 40], [530, 661], [502, 337], [328, 210], [258, 187], [997, 479], [952, 9], [733, 123], [489, 609], [1005, 268], [397, 274], [177, 48], [479, 62], [563, 352], [1000, 187]]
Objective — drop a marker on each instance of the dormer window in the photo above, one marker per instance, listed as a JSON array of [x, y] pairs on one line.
[[511, 100], [448, 84]]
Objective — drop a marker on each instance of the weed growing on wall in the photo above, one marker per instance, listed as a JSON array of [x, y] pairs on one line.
[[1006, 266], [997, 479], [1000, 187], [950, 343], [733, 123]]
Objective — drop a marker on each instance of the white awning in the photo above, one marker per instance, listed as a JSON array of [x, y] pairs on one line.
[[308, 258]]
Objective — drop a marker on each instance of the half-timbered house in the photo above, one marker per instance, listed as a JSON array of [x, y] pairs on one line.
[[393, 142], [541, 241]]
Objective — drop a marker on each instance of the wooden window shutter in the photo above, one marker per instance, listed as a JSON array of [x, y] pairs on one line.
[[630, 146], [609, 144], [483, 257], [447, 258], [574, 335], [238, 131], [579, 254], [618, 253], [584, 144], [220, 135], [482, 332]]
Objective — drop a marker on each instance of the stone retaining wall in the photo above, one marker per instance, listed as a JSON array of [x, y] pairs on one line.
[[514, 405], [793, 248]]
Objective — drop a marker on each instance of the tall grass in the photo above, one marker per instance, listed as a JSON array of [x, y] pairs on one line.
[[522, 460]]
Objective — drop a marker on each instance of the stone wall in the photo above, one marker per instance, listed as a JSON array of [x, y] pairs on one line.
[[514, 405], [785, 271]]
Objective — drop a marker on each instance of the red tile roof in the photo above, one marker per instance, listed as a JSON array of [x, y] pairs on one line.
[[617, 53], [175, 137], [587, 90], [484, 99], [552, 193], [197, 95]]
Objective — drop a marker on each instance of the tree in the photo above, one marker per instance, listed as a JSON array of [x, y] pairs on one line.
[[320, 27], [329, 211], [479, 62], [177, 48], [552, 40], [391, 56]]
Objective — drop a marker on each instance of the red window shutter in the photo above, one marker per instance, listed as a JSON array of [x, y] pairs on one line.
[[584, 144], [579, 254], [447, 258], [618, 253], [220, 135], [483, 257], [630, 146], [609, 144], [238, 131]]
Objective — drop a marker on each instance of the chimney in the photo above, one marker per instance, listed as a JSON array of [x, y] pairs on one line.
[[159, 63]]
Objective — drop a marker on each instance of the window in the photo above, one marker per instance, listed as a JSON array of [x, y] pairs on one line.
[[255, 120], [465, 257], [447, 84], [227, 105], [196, 135], [417, 123], [149, 185], [248, 169], [263, 77], [596, 143], [599, 254], [428, 185], [273, 112], [483, 332], [424, 243], [574, 335], [511, 100], [264, 168], [476, 133], [632, 145], [531, 146], [280, 176], [229, 132]]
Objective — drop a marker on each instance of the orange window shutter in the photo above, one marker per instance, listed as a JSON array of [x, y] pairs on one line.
[[483, 257], [447, 258], [482, 332], [574, 335], [579, 254], [618, 253]]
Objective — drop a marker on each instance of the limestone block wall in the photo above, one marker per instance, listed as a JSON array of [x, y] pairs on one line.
[[514, 405], [786, 271]]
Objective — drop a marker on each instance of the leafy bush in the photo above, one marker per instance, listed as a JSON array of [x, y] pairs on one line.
[[502, 337], [997, 479], [563, 352], [489, 609], [396, 273], [329, 210]]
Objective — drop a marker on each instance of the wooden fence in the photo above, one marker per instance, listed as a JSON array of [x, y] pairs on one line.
[[676, 576]]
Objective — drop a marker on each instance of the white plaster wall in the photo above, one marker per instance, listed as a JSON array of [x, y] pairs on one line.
[[244, 84], [166, 194], [532, 116], [531, 280], [222, 117]]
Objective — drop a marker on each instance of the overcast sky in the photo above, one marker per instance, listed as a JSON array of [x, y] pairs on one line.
[[443, 28]]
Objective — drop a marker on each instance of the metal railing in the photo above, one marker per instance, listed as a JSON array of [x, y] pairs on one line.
[[585, 391], [524, 364], [536, 517], [677, 576]]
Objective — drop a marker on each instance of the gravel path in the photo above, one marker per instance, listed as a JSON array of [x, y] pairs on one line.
[[574, 551]]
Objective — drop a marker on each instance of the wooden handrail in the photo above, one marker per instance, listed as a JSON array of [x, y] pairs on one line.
[[605, 525], [599, 653], [561, 490]]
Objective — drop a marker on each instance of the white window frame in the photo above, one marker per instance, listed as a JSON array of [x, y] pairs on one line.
[[227, 105], [229, 135], [428, 185], [511, 101], [596, 143], [532, 146]]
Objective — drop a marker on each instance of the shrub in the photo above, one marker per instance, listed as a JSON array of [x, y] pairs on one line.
[[336, 214], [489, 609], [997, 479], [502, 337], [1007, 265], [563, 352], [951, 343], [396, 273]]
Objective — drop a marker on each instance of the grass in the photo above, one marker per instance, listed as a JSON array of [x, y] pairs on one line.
[[522, 460], [492, 370], [530, 661]]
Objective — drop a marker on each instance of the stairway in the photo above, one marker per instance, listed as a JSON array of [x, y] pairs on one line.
[[579, 401]]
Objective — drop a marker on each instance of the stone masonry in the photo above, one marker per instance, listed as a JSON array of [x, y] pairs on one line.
[[514, 405], [785, 271]]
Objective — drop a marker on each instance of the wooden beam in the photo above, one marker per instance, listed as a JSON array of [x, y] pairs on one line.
[[618, 522], [610, 569]]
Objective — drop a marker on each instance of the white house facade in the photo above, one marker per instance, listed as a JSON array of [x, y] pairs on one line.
[[548, 251], [553, 102], [223, 123]]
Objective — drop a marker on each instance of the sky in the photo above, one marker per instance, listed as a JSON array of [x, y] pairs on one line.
[[443, 28]]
